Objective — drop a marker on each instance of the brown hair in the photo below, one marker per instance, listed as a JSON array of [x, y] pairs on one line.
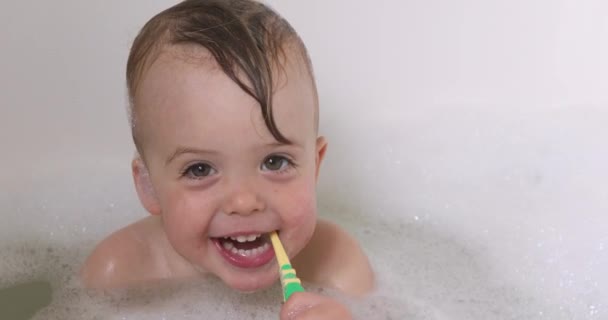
[[244, 37]]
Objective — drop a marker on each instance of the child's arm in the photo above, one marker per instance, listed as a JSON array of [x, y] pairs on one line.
[[307, 305]]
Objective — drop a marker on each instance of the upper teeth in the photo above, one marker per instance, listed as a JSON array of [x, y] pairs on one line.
[[251, 237]]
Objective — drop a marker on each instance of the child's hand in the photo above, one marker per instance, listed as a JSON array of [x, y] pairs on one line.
[[306, 305]]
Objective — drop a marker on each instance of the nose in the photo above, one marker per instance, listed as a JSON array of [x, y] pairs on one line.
[[243, 198]]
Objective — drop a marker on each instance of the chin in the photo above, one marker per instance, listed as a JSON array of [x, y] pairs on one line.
[[247, 282]]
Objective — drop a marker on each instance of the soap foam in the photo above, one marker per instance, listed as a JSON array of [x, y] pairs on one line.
[[416, 279]]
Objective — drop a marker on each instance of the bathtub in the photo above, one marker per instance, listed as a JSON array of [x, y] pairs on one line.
[[467, 154]]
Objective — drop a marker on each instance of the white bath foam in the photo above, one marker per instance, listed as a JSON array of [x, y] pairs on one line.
[[424, 278], [426, 273]]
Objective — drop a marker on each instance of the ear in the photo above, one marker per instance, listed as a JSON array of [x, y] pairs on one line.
[[143, 185], [320, 153]]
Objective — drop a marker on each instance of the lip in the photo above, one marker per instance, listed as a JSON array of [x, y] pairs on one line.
[[243, 233], [240, 261]]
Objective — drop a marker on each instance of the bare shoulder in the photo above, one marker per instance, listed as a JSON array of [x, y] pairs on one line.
[[129, 256], [334, 258]]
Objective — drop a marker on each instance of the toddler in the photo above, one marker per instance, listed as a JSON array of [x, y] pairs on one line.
[[224, 115]]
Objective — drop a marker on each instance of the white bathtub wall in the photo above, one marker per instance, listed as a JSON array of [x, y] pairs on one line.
[[466, 128]]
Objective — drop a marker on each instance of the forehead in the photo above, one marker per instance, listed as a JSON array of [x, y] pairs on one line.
[[185, 88]]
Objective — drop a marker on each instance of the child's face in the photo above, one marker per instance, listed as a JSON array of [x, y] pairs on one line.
[[216, 171]]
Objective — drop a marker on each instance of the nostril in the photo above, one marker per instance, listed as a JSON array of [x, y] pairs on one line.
[[244, 204]]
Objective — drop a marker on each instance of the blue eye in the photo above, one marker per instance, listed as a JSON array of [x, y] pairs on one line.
[[276, 163], [199, 170]]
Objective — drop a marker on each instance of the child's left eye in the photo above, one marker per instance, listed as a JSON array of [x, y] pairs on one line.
[[276, 163]]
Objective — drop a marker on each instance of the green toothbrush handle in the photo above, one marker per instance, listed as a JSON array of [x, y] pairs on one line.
[[289, 280], [292, 288]]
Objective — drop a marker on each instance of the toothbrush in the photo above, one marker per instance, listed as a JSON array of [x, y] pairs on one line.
[[289, 280]]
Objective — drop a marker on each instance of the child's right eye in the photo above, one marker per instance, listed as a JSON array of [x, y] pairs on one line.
[[198, 171]]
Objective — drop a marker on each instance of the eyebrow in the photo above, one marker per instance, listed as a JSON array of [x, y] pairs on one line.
[[185, 150], [292, 143], [281, 144]]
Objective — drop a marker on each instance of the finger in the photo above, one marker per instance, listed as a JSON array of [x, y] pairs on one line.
[[297, 303], [328, 310], [306, 305]]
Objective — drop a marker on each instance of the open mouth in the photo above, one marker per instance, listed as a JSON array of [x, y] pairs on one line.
[[245, 250]]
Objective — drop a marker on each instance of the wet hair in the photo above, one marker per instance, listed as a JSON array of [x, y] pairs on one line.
[[246, 38]]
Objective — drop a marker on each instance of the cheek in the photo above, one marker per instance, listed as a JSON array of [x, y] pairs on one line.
[[300, 205], [186, 214]]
